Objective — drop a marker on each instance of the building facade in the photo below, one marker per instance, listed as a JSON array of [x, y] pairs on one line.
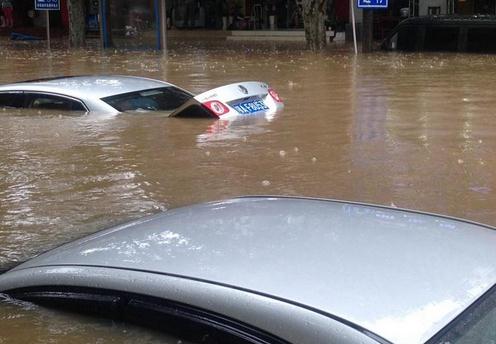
[[129, 19]]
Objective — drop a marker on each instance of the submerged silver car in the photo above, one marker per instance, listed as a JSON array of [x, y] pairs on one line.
[[280, 270], [118, 93]]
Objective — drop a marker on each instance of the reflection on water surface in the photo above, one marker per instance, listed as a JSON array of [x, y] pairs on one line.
[[413, 131]]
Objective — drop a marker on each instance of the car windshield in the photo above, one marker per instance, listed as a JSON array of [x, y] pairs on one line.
[[477, 324], [156, 99]]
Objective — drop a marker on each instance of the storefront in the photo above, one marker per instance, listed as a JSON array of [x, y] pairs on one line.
[[247, 14], [29, 21], [135, 23], [128, 19]]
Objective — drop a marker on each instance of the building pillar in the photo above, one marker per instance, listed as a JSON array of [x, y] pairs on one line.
[[368, 30]]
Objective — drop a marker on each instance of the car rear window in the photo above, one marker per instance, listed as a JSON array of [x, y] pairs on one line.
[[156, 99]]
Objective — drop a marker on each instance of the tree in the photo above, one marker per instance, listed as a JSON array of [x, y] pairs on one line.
[[77, 25], [314, 16]]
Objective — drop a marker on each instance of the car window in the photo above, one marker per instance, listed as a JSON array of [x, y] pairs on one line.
[[407, 38], [11, 100], [481, 39], [441, 38], [477, 324], [186, 323], [157, 99], [52, 102]]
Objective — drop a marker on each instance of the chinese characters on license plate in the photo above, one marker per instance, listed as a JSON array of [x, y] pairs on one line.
[[250, 107]]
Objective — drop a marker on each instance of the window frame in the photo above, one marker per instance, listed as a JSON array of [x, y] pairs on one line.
[[26, 94], [147, 311], [13, 92], [109, 100], [52, 94], [476, 30], [431, 35]]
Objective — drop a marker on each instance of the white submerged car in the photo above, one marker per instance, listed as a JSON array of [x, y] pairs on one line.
[[279, 270], [117, 93]]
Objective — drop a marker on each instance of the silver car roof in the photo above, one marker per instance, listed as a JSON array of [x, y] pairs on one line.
[[400, 274], [87, 87]]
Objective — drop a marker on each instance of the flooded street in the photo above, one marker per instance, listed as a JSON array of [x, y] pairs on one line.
[[410, 130]]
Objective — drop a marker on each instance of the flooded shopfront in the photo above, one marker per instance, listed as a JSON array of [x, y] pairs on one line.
[[411, 131], [139, 21]]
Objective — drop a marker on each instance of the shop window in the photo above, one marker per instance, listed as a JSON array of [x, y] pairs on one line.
[[433, 10]]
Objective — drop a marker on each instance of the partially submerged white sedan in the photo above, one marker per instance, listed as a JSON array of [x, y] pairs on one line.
[[117, 93]]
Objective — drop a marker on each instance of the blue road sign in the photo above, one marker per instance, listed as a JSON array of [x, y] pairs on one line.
[[47, 5], [372, 4]]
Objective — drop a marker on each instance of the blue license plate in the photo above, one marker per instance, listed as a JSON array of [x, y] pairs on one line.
[[251, 106]]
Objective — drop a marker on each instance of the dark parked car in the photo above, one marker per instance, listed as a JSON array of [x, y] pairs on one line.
[[475, 34], [278, 270]]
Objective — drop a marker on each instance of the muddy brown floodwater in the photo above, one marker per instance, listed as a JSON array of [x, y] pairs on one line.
[[409, 130]]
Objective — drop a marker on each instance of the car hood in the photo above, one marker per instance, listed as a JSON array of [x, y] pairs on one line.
[[401, 274]]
